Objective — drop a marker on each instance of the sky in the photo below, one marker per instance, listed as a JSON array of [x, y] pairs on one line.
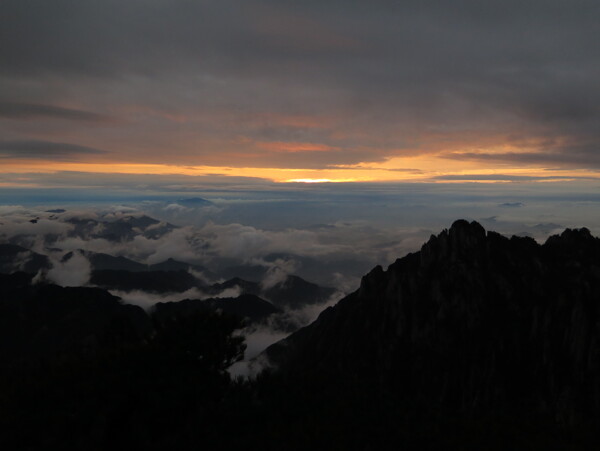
[[357, 127], [272, 94]]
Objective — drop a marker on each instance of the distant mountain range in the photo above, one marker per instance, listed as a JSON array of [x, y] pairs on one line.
[[251, 301], [170, 276], [195, 202], [292, 292], [248, 306]]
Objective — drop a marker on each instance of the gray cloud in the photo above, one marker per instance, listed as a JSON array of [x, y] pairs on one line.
[[74, 272], [44, 149], [583, 157], [31, 111], [506, 178], [373, 81]]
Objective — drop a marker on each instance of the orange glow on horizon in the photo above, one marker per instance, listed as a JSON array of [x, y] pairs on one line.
[[429, 168], [320, 180]]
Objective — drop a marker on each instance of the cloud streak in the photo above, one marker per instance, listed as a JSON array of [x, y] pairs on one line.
[[508, 177], [34, 149], [28, 111]]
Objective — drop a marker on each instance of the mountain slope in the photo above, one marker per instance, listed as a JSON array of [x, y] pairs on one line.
[[474, 322], [47, 322], [292, 292], [247, 306], [106, 262], [16, 258]]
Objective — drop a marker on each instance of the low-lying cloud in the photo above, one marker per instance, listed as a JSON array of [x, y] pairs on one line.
[[74, 272], [147, 300]]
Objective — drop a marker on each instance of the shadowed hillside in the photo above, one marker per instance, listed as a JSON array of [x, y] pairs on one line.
[[473, 326]]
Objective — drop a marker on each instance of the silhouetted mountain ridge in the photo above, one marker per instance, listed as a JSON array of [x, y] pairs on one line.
[[15, 258], [77, 366], [44, 323], [292, 292], [472, 322], [150, 281], [247, 306]]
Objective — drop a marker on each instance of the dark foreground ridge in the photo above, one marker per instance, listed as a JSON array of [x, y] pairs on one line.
[[475, 324], [477, 341]]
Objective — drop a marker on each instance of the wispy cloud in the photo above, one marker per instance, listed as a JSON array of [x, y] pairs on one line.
[[509, 177], [44, 150], [26, 111]]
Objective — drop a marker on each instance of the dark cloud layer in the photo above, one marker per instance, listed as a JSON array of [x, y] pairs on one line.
[[563, 157], [210, 80], [44, 149], [32, 111], [506, 177]]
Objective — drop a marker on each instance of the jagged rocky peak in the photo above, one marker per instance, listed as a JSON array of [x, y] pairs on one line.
[[574, 235], [373, 279], [575, 243], [464, 240], [461, 238], [474, 320]]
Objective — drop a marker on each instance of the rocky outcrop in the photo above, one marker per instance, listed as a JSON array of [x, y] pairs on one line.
[[472, 322]]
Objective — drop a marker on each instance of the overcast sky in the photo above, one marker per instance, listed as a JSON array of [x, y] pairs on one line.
[[351, 90]]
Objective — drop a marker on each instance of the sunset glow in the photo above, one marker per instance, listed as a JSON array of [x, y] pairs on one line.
[[297, 95], [415, 169]]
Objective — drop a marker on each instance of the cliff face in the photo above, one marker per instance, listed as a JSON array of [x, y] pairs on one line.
[[474, 321]]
